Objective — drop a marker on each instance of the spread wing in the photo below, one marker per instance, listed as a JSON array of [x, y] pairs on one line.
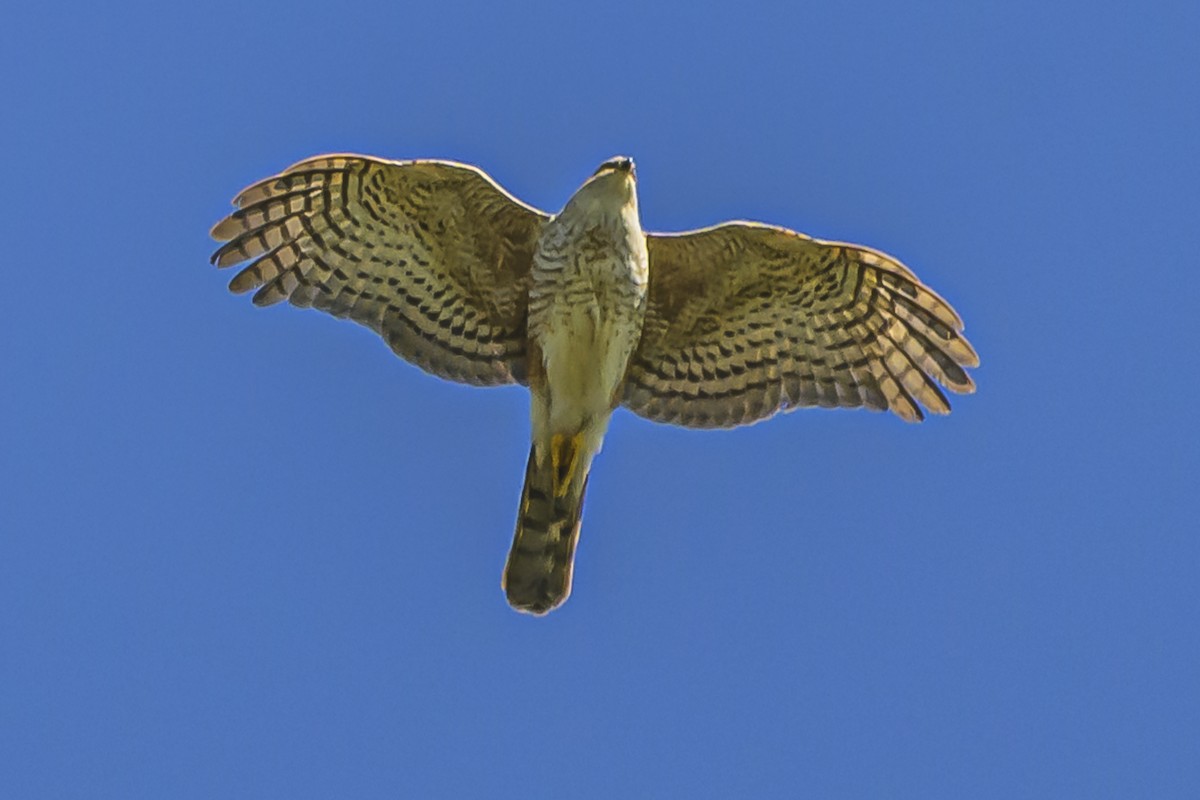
[[432, 255], [745, 320]]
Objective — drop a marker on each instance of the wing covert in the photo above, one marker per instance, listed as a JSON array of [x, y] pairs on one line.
[[432, 255]]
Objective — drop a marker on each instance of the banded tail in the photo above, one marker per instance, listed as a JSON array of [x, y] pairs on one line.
[[537, 577]]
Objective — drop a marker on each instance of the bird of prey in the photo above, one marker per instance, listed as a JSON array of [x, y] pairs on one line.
[[712, 328]]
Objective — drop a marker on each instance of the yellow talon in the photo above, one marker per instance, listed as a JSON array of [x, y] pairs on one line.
[[564, 459]]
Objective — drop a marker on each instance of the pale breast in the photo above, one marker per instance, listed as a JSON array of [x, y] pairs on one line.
[[587, 303]]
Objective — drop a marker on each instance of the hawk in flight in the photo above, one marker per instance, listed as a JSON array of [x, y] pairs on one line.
[[711, 328]]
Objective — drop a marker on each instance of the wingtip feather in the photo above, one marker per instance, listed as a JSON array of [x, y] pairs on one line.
[[226, 229]]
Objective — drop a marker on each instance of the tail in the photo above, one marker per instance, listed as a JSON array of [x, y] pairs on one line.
[[537, 577]]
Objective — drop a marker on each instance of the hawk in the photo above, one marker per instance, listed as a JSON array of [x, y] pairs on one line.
[[711, 328]]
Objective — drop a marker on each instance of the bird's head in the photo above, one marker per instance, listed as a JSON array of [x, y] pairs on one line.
[[612, 187], [618, 165]]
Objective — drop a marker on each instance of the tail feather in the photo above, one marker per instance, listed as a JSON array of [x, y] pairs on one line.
[[537, 577]]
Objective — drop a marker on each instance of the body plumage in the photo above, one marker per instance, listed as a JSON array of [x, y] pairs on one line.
[[586, 307]]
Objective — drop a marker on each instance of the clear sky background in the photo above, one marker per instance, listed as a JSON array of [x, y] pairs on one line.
[[250, 553]]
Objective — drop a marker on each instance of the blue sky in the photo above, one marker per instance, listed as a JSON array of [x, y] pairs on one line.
[[249, 553]]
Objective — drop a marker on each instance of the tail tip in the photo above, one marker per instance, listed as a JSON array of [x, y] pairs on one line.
[[537, 599]]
